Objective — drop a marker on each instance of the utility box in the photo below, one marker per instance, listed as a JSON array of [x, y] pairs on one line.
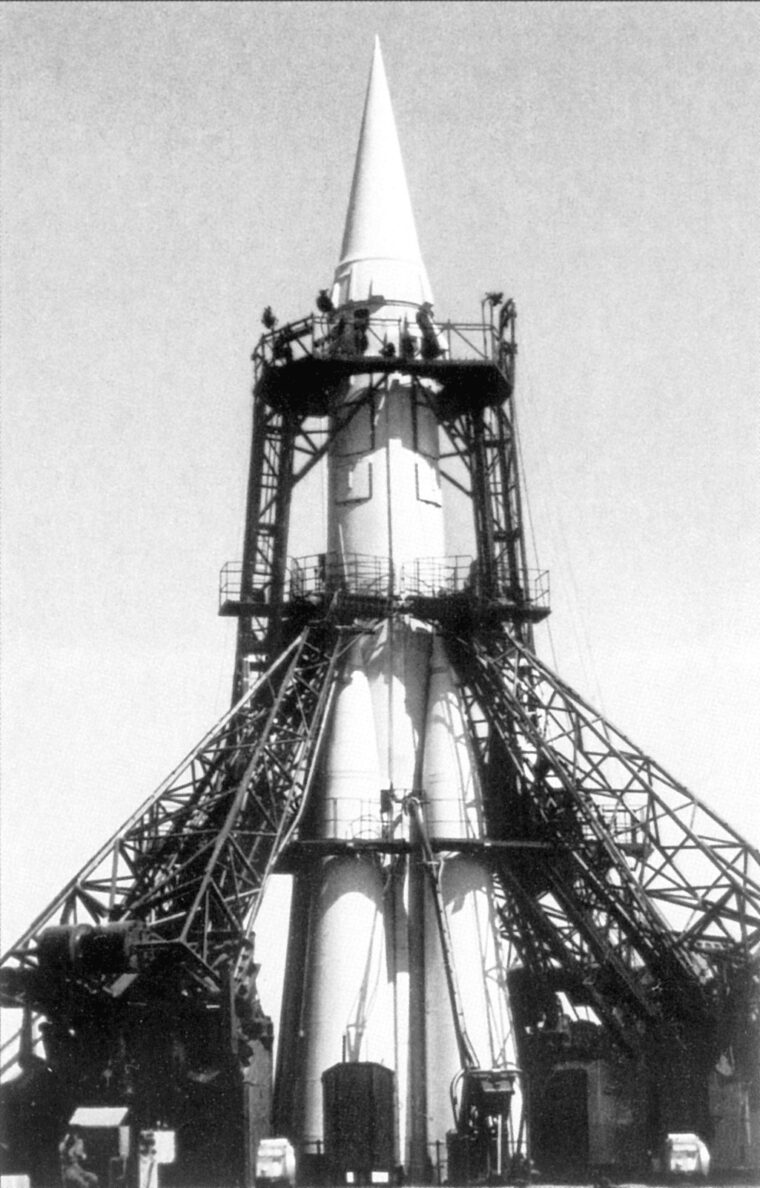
[[275, 1163], [686, 1155], [359, 1123]]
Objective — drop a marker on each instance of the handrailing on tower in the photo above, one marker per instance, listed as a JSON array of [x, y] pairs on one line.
[[432, 580], [298, 371], [358, 332]]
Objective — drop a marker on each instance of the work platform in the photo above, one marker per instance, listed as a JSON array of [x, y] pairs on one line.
[[446, 589], [301, 366]]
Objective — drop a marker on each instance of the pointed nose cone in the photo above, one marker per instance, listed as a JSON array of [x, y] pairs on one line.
[[380, 253]]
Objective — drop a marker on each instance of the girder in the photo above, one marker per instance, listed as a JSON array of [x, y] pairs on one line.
[[485, 441], [614, 885], [270, 485], [287, 442], [139, 978], [541, 941], [647, 892], [191, 864], [298, 370]]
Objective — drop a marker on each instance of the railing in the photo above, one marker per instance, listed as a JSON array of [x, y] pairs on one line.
[[438, 577], [361, 575], [352, 818], [231, 585], [435, 577], [329, 573], [358, 332]]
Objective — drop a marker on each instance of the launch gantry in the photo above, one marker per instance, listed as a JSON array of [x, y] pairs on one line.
[[616, 887], [297, 371], [627, 911]]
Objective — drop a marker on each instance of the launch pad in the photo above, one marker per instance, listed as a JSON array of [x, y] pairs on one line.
[[515, 941]]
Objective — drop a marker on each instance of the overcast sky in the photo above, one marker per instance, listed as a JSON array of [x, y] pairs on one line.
[[170, 169]]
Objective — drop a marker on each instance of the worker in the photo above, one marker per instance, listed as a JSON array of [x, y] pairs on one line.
[[431, 348], [73, 1155], [507, 317]]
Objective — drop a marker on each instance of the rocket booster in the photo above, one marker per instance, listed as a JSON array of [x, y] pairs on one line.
[[368, 970]]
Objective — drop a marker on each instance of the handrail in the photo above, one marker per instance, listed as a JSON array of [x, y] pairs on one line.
[[363, 574], [355, 332]]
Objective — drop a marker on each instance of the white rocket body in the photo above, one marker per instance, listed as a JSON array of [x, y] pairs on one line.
[[367, 980]]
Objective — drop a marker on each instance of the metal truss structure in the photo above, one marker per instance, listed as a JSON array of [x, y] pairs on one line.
[[612, 871], [191, 863], [140, 974], [468, 384], [616, 885]]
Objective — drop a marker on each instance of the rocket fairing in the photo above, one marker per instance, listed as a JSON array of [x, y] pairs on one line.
[[369, 973], [380, 253]]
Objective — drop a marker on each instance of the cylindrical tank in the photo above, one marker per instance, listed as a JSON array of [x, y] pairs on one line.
[[396, 656], [453, 810], [348, 1000], [385, 489], [348, 980], [347, 1011], [349, 806], [453, 804], [385, 482]]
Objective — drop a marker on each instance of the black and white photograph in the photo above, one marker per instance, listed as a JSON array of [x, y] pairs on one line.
[[380, 545]]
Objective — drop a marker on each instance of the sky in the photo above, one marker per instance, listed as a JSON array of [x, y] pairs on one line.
[[170, 169]]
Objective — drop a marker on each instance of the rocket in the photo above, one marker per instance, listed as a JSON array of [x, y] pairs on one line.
[[395, 957], [469, 841]]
